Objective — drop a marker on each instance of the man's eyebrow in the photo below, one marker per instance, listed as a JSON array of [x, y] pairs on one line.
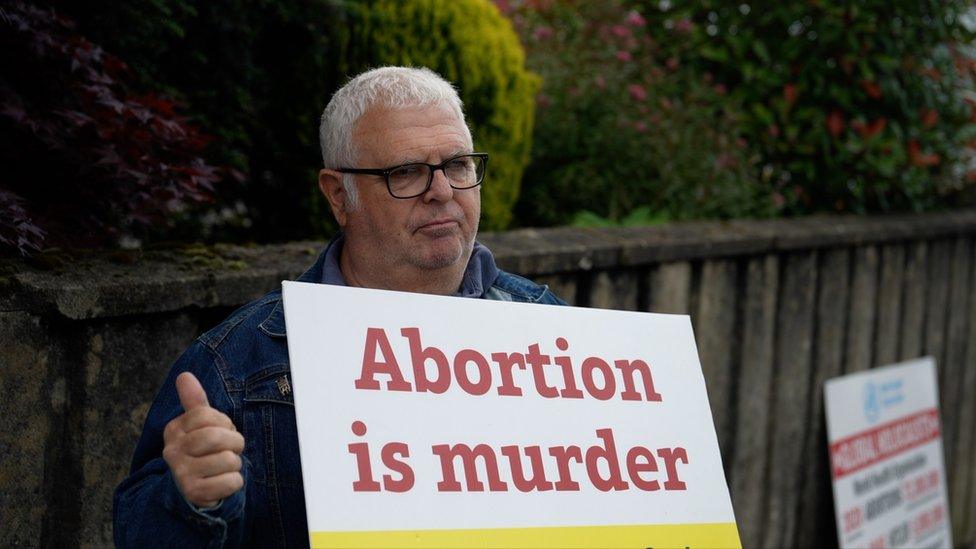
[[414, 160]]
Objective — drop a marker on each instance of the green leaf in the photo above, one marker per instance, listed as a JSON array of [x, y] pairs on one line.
[[714, 54], [586, 218], [762, 113], [760, 49]]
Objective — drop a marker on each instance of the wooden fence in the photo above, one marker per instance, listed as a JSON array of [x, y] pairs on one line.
[[778, 307]]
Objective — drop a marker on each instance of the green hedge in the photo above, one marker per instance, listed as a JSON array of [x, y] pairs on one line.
[[854, 106], [623, 136], [471, 44]]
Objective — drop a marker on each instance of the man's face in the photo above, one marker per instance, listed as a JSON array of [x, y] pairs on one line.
[[433, 231]]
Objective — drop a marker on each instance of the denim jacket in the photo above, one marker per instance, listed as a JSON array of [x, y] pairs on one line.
[[243, 365]]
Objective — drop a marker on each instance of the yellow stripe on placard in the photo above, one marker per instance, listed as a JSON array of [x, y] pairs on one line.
[[638, 537]]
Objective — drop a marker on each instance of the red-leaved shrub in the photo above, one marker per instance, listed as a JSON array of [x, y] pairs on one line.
[[86, 159]]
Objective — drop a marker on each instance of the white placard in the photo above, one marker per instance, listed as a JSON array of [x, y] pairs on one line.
[[885, 442], [610, 405]]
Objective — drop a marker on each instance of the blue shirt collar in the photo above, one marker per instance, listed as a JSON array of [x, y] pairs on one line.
[[478, 277]]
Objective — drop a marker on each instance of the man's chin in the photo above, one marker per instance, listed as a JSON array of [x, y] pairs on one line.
[[442, 254]]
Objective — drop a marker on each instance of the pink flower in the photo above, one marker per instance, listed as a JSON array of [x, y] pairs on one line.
[[637, 92], [624, 56], [672, 63], [542, 32], [778, 200], [640, 126], [725, 161], [601, 82], [635, 19], [620, 31], [684, 25]]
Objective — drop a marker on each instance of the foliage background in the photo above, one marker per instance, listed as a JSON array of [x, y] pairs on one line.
[[86, 158], [611, 112], [626, 134], [854, 106], [256, 75], [834, 106]]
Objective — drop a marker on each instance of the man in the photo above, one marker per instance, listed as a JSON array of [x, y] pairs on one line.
[[217, 464]]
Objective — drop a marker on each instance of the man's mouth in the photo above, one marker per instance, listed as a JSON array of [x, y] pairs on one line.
[[439, 225]]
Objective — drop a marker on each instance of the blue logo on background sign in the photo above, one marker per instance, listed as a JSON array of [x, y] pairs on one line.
[[878, 397], [871, 408]]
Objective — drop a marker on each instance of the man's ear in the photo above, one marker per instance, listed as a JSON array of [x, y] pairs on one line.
[[330, 183]]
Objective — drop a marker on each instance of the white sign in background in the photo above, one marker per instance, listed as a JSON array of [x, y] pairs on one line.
[[327, 328], [886, 457]]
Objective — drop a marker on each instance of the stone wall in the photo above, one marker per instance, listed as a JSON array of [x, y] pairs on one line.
[[777, 306]]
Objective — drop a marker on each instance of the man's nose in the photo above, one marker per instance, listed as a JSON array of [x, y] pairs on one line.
[[440, 188]]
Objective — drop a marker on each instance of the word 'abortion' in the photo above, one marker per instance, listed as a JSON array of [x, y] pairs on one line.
[[475, 376]]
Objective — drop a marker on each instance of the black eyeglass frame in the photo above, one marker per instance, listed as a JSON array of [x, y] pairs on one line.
[[385, 172]]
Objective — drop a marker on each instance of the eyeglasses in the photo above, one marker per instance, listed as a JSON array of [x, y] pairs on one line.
[[463, 171]]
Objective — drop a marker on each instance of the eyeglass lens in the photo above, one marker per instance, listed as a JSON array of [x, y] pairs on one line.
[[412, 179]]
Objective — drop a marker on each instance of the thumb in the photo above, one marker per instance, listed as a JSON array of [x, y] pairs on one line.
[[191, 392]]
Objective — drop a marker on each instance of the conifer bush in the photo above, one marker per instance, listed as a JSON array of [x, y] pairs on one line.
[[471, 44]]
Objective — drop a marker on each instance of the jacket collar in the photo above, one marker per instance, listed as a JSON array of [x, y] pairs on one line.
[[274, 324], [479, 276]]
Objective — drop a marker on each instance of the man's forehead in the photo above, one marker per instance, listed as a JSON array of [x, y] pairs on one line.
[[386, 117], [406, 134]]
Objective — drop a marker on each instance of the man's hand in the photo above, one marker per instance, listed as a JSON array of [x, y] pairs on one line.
[[202, 447]]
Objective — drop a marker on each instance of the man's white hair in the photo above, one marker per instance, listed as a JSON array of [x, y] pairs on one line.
[[392, 87]]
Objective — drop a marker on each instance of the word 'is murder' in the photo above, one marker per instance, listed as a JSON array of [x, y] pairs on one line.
[[639, 460]]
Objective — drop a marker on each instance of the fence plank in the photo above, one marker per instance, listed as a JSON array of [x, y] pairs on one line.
[[816, 524], [748, 471], [955, 370], [792, 385], [615, 290], [670, 288], [964, 502], [864, 304], [936, 323], [890, 290], [936, 301], [714, 323], [913, 311]]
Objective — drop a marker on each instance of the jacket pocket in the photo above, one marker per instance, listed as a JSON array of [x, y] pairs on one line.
[[271, 385]]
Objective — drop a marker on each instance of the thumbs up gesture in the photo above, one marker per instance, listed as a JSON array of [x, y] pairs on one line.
[[202, 447]]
